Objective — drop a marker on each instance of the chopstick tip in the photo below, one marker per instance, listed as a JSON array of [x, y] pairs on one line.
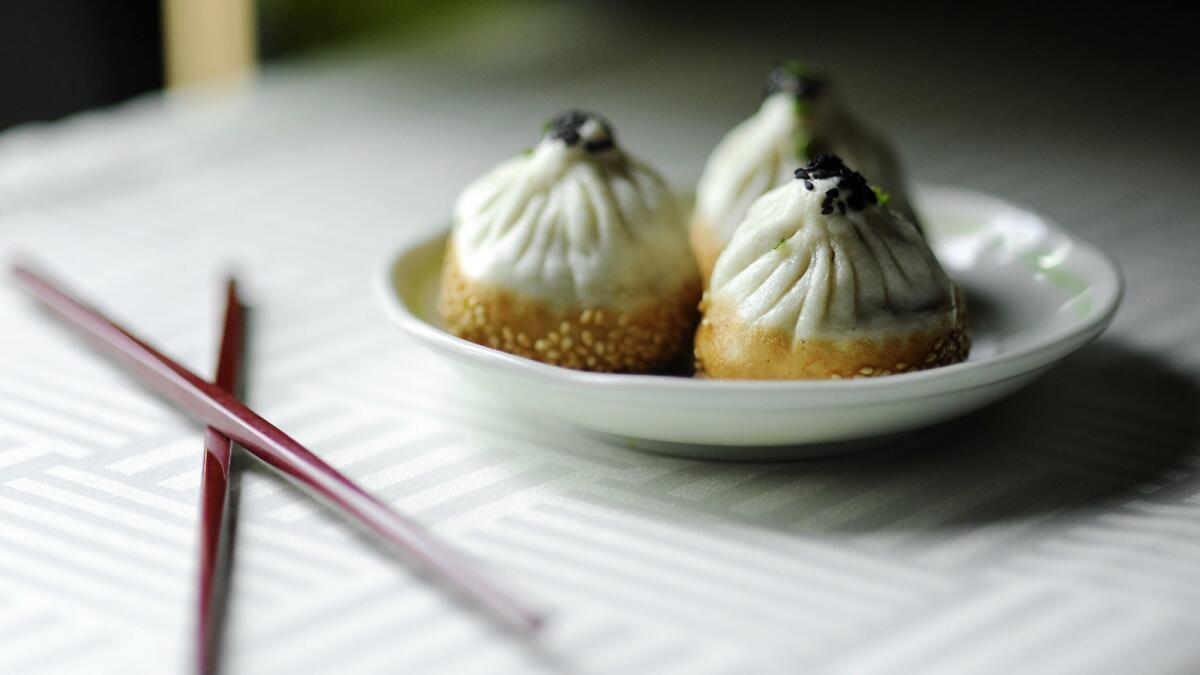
[[26, 271], [526, 622], [21, 266]]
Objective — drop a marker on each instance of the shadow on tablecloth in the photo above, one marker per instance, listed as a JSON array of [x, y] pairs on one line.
[[1105, 426]]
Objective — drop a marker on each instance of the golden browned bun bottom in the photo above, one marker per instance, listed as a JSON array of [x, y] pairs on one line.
[[598, 339], [706, 246], [728, 349]]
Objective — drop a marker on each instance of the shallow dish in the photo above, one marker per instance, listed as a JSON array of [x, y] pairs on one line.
[[1034, 293]]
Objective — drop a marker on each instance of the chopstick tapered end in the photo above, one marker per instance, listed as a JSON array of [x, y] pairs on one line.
[[514, 614], [534, 623], [22, 269]]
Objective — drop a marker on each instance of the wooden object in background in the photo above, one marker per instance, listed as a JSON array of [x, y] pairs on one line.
[[208, 41]]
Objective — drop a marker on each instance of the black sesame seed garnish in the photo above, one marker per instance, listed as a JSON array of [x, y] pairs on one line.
[[566, 125], [858, 195]]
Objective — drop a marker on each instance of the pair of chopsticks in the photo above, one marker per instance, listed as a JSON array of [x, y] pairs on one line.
[[227, 419]]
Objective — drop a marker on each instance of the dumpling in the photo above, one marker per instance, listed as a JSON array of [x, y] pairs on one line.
[[800, 118], [820, 281], [573, 254]]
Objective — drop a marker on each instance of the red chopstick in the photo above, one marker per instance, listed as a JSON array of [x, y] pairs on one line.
[[221, 410], [214, 495]]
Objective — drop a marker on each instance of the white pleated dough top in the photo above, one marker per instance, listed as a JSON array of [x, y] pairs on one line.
[[799, 118], [822, 280], [572, 253], [575, 221]]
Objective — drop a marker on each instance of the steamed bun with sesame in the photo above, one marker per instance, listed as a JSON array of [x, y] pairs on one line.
[[800, 117], [821, 281], [573, 254]]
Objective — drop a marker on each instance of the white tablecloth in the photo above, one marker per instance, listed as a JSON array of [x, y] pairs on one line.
[[1056, 532]]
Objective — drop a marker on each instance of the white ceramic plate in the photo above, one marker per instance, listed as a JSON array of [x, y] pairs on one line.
[[1034, 294]]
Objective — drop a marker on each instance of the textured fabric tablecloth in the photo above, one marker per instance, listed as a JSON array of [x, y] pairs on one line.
[[1056, 532]]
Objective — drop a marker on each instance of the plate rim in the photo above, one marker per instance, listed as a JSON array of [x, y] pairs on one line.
[[1060, 342]]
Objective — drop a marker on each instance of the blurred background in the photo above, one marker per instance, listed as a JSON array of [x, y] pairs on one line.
[[62, 56]]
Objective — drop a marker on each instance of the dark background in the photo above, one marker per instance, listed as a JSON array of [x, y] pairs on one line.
[[62, 56]]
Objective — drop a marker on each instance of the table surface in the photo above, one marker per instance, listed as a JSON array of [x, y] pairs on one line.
[[1055, 532]]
